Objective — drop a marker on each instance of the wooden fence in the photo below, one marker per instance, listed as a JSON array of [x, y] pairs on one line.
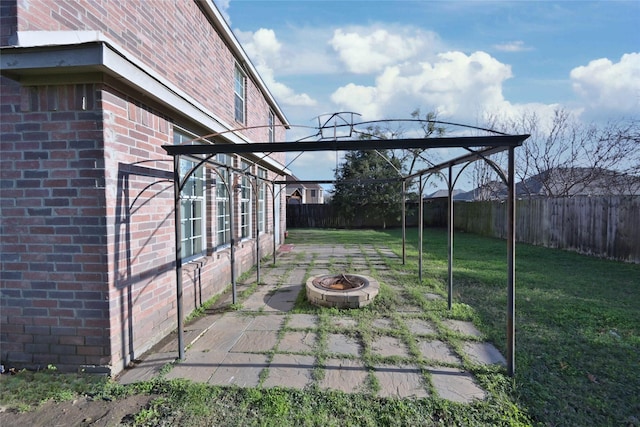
[[607, 227]]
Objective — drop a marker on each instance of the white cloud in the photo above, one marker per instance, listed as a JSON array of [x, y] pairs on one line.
[[223, 7], [314, 165], [264, 49], [455, 84], [602, 84], [370, 50], [512, 46]]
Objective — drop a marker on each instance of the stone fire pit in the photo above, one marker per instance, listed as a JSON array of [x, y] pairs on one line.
[[342, 290]]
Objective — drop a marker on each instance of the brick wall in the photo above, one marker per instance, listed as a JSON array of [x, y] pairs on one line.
[[87, 210], [174, 38], [54, 273]]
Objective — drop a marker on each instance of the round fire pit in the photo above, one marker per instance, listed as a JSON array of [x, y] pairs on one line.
[[342, 290]]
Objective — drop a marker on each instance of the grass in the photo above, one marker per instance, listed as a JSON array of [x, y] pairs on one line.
[[577, 346], [577, 326]]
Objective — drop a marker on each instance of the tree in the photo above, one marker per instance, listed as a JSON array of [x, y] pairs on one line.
[[565, 156], [360, 192]]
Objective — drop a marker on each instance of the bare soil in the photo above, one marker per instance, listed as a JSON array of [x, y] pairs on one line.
[[80, 412]]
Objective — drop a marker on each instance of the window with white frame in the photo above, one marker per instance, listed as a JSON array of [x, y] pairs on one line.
[[223, 208], [239, 94], [245, 201], [262, 199], [192, 204], [272, 127]]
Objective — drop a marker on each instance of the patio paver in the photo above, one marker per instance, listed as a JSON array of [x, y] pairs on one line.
[[297, 342], [235, 347], [455, 385], [462, 327], [484, 353], [255, 341], [389, 346], [438, 350], [346, 375], [290, 370], [241, 369], [400, 381], [303, 321], [342, 344]]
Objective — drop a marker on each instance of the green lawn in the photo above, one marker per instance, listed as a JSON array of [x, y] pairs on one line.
[[577, 346], [577, 326], [577, 320]]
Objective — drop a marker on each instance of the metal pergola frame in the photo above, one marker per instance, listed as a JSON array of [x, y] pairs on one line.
[[478, 147]]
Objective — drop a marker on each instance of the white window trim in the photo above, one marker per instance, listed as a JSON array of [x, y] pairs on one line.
[[237, 71], [187, 242], [262, 201], [272, 126], [224, 200], [245, 190]]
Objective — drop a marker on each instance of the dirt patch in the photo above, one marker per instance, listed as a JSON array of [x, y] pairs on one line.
[[80, 412]]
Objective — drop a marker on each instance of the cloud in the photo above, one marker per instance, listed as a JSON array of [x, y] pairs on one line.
[[223, 7], [264, 49], [513, 46], [454, 84], [602, 84], [371, 50]]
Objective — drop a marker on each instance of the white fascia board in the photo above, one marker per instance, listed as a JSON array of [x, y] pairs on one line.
[[127, 69]]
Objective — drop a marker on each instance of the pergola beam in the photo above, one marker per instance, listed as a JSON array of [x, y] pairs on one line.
[[480, 147], [350, 145]]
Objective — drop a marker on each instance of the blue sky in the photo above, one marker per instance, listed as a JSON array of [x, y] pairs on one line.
[[463, 59]]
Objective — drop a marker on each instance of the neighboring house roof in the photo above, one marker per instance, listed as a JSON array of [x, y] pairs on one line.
[[295, 186], [566, 182], [444, 193], [579, 182], [294, 183]]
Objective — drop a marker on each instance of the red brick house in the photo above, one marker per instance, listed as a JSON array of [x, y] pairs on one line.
[[90, 91], [299, 193]]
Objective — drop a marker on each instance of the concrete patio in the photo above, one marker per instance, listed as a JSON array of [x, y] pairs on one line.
[[402, 353]]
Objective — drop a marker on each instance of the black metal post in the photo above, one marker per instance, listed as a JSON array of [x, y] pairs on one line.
[[257, 223], [231, 191], [273, 214], [404, 222], [420, 228], [178, 237], [450, 240], [511, 265]]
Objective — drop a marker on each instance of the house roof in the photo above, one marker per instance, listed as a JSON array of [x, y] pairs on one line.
[[65, 52], [557, 181], [294, 182]]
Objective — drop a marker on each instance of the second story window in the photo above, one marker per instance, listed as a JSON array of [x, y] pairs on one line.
[[239, 94], [272, 127]]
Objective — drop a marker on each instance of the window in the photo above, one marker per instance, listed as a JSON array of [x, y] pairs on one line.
[[262, 199], [192, 205], [313, 193], [223, 213], [272, 127], [239, 95], [245, 202]]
